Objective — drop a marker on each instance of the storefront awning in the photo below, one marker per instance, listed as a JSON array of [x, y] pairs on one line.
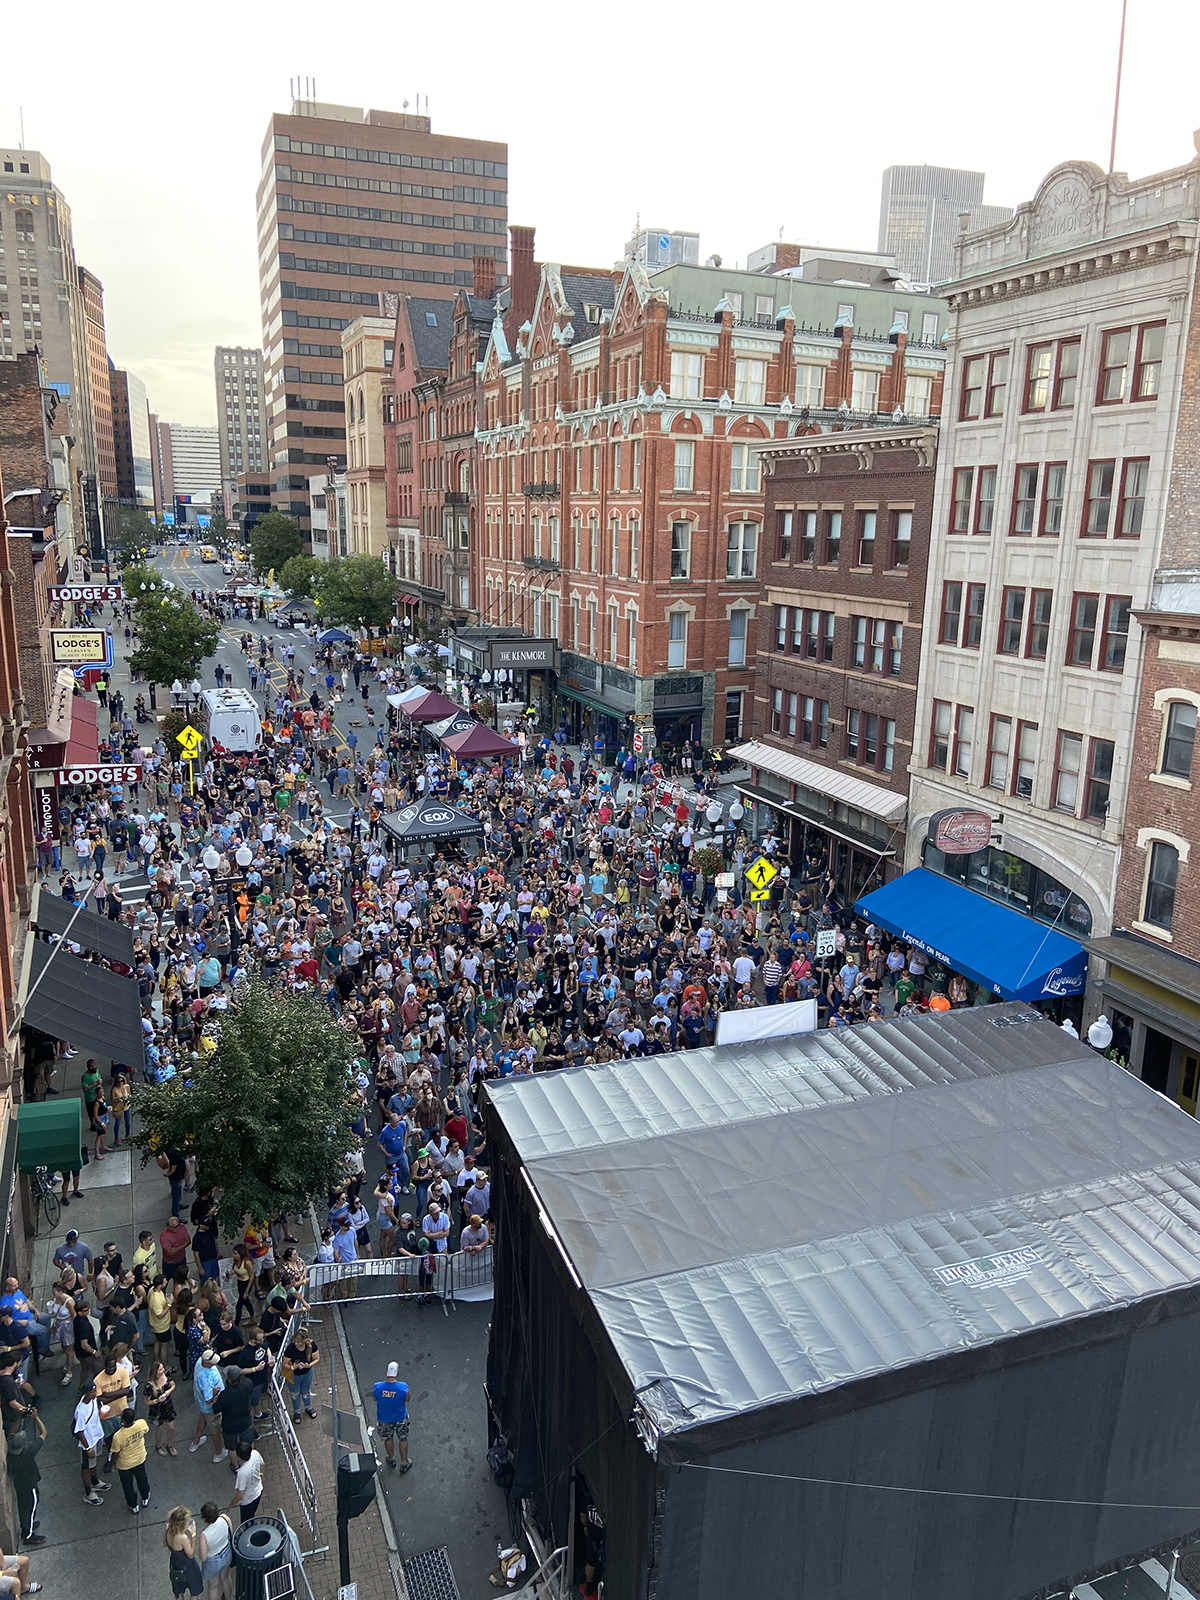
[[70, 998], [53, 914], [856, 792], [49, 1134], [1013, 956]]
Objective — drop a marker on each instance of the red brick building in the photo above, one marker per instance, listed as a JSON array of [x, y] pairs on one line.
[[840, 614]]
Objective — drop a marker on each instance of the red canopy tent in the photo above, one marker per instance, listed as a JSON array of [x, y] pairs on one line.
[[432, 706], [479, 741]]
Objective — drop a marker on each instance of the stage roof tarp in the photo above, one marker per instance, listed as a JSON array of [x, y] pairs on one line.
[[430, 819]]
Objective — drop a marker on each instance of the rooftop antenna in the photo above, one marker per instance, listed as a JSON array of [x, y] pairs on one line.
[[1112, 149], [22, 110]]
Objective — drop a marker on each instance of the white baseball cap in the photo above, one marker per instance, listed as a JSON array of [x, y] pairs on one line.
[[393, 1370]]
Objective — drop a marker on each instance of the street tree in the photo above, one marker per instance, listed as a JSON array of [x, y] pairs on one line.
[[297, 576], [274, 540], [356, 590], [268, 1115], [173, 636], [218, 528], [133, 535]]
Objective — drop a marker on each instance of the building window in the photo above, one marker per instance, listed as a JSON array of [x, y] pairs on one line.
[[777, 711], [685, 456], [555, 541], [1114, 366], [1098, 509], [1027, 742], [952, 594], [901, 538], [1052, 498], [960, 514], [1161, 878], [1099, 779], [918, 391], [677, 639], [999, 750], [797, 631], [822, 724], [687, 376], [810, 387], [634, 534], [616, 477], [783, 535], [1115, 638], [1066, 772], [1025, 487], [939, 735], [741, 557], [612, 633], [615, 567], [866, 538], [1134, 477], [833, 538], [894, 648], [808, 535], [681, 549], [984, 381], [1012, 616], [781, 627], [592, 608], [859, 627], [1149, 361], [827, 626], [733, 716], [929, 327], [1179, 740], [764, 309], [1082, 642], [737, 638], [964, 739], [637, 465], [1039, 372], [985, 508], [744, 470], [750, 382], [789, 715], [973, 633], [864, 389]]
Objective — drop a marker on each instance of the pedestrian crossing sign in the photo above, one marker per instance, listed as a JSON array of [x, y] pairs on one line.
[[190, 740], [760, 894], [761, 872]]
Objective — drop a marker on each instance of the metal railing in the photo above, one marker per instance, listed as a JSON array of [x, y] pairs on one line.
[[453, 1275], [293, 1454], [542, 563], [541, 491]]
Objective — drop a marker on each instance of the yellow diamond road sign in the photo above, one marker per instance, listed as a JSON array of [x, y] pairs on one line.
[[761, 872], [190, 739]]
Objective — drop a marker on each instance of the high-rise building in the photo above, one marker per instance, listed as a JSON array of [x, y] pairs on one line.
[[96, 348], [165, 482], [196, 463], [41, 304], [241, 414], [352, 203], [919, 215], [131, 440]]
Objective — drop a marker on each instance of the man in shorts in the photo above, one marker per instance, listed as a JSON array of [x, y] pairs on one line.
[[89, 1430], [14, 1579], [391, 1408]]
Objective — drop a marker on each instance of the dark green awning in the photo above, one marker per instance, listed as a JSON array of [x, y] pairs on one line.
[[49, 1134]]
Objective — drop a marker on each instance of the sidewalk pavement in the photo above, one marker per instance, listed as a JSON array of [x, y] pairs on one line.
[[103, 1550]]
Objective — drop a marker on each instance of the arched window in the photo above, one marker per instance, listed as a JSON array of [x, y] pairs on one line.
[[1162, 872], [399, 358], [24, 227]]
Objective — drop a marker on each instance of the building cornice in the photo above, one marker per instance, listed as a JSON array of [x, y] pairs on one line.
[[862, 443], [1174, 623], [1100, 258]]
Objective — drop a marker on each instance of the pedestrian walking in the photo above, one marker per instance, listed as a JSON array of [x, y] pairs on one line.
[[391, 1411], [128, 1447]]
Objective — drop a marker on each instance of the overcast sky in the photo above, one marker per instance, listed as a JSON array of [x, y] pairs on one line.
[[734, 123]]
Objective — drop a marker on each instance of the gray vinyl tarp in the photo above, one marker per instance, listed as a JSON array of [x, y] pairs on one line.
[[770, 1249], [53, 914], [79, 1000]]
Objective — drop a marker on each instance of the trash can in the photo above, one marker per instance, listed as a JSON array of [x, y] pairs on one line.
[[259, 1546]]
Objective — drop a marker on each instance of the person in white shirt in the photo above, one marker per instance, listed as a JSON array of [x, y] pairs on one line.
[[247, 1482], [89, 1430]]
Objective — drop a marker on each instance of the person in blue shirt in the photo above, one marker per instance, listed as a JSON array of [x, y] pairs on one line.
[[393, 1134], [391, 1408], [504, 1062], [25, 1318], [345, 1245]]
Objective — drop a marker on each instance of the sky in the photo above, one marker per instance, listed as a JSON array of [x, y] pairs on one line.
[[745, 127]]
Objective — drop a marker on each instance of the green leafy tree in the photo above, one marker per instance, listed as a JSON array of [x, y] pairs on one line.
[[356, 590], [274, 540], [217, 531], [709, 861], [142, 582], [268, 1116], [172, 634], [297, 576], [133, 534]]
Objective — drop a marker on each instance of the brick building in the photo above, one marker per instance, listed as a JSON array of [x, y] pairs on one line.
[[841, 611], [96, 349], [413, 448], [620, 479]]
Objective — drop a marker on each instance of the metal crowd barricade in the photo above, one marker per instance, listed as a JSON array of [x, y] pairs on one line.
[[456, 1275], [285, 1430]]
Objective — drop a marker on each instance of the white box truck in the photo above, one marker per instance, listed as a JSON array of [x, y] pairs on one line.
[[231, 718]]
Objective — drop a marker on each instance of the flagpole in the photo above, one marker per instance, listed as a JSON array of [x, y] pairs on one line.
[[1112, 149]]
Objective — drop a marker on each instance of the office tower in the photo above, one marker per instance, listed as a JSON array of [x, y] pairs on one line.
[[196, 464], [95, 347], [353, 203], [241, 413], [41, 303], [131, 439], [919, 217]]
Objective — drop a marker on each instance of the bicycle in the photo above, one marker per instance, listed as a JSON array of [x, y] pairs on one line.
[[45, 1198]]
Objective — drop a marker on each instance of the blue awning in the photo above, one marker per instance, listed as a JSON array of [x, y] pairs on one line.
[[1012, 955]]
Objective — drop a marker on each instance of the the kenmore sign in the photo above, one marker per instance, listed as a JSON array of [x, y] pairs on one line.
[[524, 655]]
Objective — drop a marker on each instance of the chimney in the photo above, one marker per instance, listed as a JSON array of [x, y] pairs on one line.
[[522, 281], [484, 268], [786, 257]]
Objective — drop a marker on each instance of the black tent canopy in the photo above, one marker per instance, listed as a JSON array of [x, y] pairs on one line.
[[736, 1287], [70, 998], [430, 819], [53, 914]]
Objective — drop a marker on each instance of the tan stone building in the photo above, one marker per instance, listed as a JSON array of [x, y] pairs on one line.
[[367, 349]]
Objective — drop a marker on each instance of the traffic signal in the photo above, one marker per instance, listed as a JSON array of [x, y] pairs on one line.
[[355, 1485]]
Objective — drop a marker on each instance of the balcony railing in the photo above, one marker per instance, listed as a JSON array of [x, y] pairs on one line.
[[541, 563], [541, 491], [458, 497]]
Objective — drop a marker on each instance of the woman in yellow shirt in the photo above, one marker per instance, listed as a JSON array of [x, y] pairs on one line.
[[158, 1307]]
